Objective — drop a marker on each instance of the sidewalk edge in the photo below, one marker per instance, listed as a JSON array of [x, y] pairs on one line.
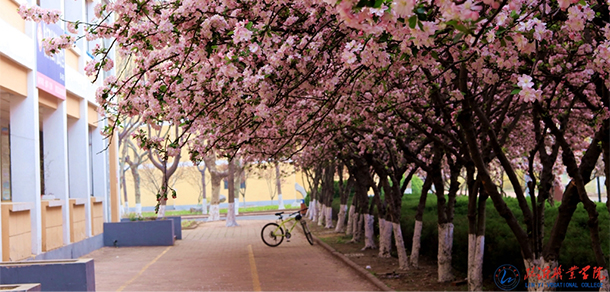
[[364, 273]]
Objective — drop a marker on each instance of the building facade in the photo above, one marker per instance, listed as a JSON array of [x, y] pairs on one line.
[[55, 165]]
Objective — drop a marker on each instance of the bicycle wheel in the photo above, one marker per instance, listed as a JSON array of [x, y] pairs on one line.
[[272, 234], [306, 231]]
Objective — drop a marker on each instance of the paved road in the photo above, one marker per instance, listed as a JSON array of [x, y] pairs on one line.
[[214, 257]]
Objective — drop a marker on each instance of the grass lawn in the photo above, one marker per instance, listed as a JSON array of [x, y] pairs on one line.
[[222, 211]]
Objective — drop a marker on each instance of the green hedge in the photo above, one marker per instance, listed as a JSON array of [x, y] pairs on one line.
[[501, 246]]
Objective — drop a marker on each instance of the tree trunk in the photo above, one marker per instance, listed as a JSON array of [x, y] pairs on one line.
[[161, 212], [329, 217], [214, 203], [605, 282], [534, 268], [369, 232], [204, 199], [418, 223], [403, 260], [341, 219], [313, 207], [416, 244], [231, 212], [357, 229], [476, 237], [133, 166], [350, 220], [321, 214], [385, 238], [445, 245], [125, 199], [278, 184], [476, 247]]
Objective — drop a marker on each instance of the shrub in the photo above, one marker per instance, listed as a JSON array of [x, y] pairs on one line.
[[501, 246]]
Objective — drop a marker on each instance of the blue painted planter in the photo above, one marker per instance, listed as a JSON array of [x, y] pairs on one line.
[[139, 233], [53, 275], [177, 225]]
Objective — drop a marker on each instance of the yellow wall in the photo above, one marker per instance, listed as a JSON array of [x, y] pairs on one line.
[[71, 59], [73, 105], [52, 226], [16, 234], [257, 188], [8, 12], [92, 115], [78, 222], [97, 217], [47, 99], [13, 76]]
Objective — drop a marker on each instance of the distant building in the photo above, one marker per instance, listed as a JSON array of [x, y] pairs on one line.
[[55, 177]]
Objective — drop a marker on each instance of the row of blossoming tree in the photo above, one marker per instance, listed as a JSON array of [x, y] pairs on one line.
[[385, 89]]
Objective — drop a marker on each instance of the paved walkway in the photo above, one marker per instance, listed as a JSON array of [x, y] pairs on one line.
[[214, 257]]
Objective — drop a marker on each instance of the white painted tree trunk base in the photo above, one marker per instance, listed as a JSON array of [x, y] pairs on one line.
[[313, 205], [385, 238], [341, 219], [403, 259], [357, 227], [415, 247], [605, 282], [476, 248], [126, 208], [236, 207], [445, 246], [161, 212], [231, 216], [214, 213], [350, 221], [369, 232], [280, 202], [542, 284], [204, 206], [329, 217], [139, 209], [321, 214]]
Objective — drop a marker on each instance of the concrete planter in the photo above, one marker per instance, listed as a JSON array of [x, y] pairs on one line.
[[177, 225], [20, 287], [53, 275], [139, 233]]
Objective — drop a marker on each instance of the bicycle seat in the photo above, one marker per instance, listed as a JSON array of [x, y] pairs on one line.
[[278, 214]]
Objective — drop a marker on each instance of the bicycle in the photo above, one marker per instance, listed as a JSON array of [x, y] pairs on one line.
[[273, 233]]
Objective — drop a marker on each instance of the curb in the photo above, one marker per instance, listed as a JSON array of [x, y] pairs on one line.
[[364, 273]]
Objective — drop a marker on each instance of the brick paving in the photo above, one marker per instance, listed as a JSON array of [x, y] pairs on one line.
[[213, 257]]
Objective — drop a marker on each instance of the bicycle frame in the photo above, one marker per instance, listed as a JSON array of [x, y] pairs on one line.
[[282, 224]]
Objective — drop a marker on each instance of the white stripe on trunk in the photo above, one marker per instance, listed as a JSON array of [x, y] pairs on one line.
[[329, 217], [231, 216], [214, 213], [280, 202], [541, 284], [341, 219], [476, 248], [139, 209], [415, 247], [403, 259], [204, 206], [161, 212], [605, 282], [445, 246], [321, 214], [350, 221]]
